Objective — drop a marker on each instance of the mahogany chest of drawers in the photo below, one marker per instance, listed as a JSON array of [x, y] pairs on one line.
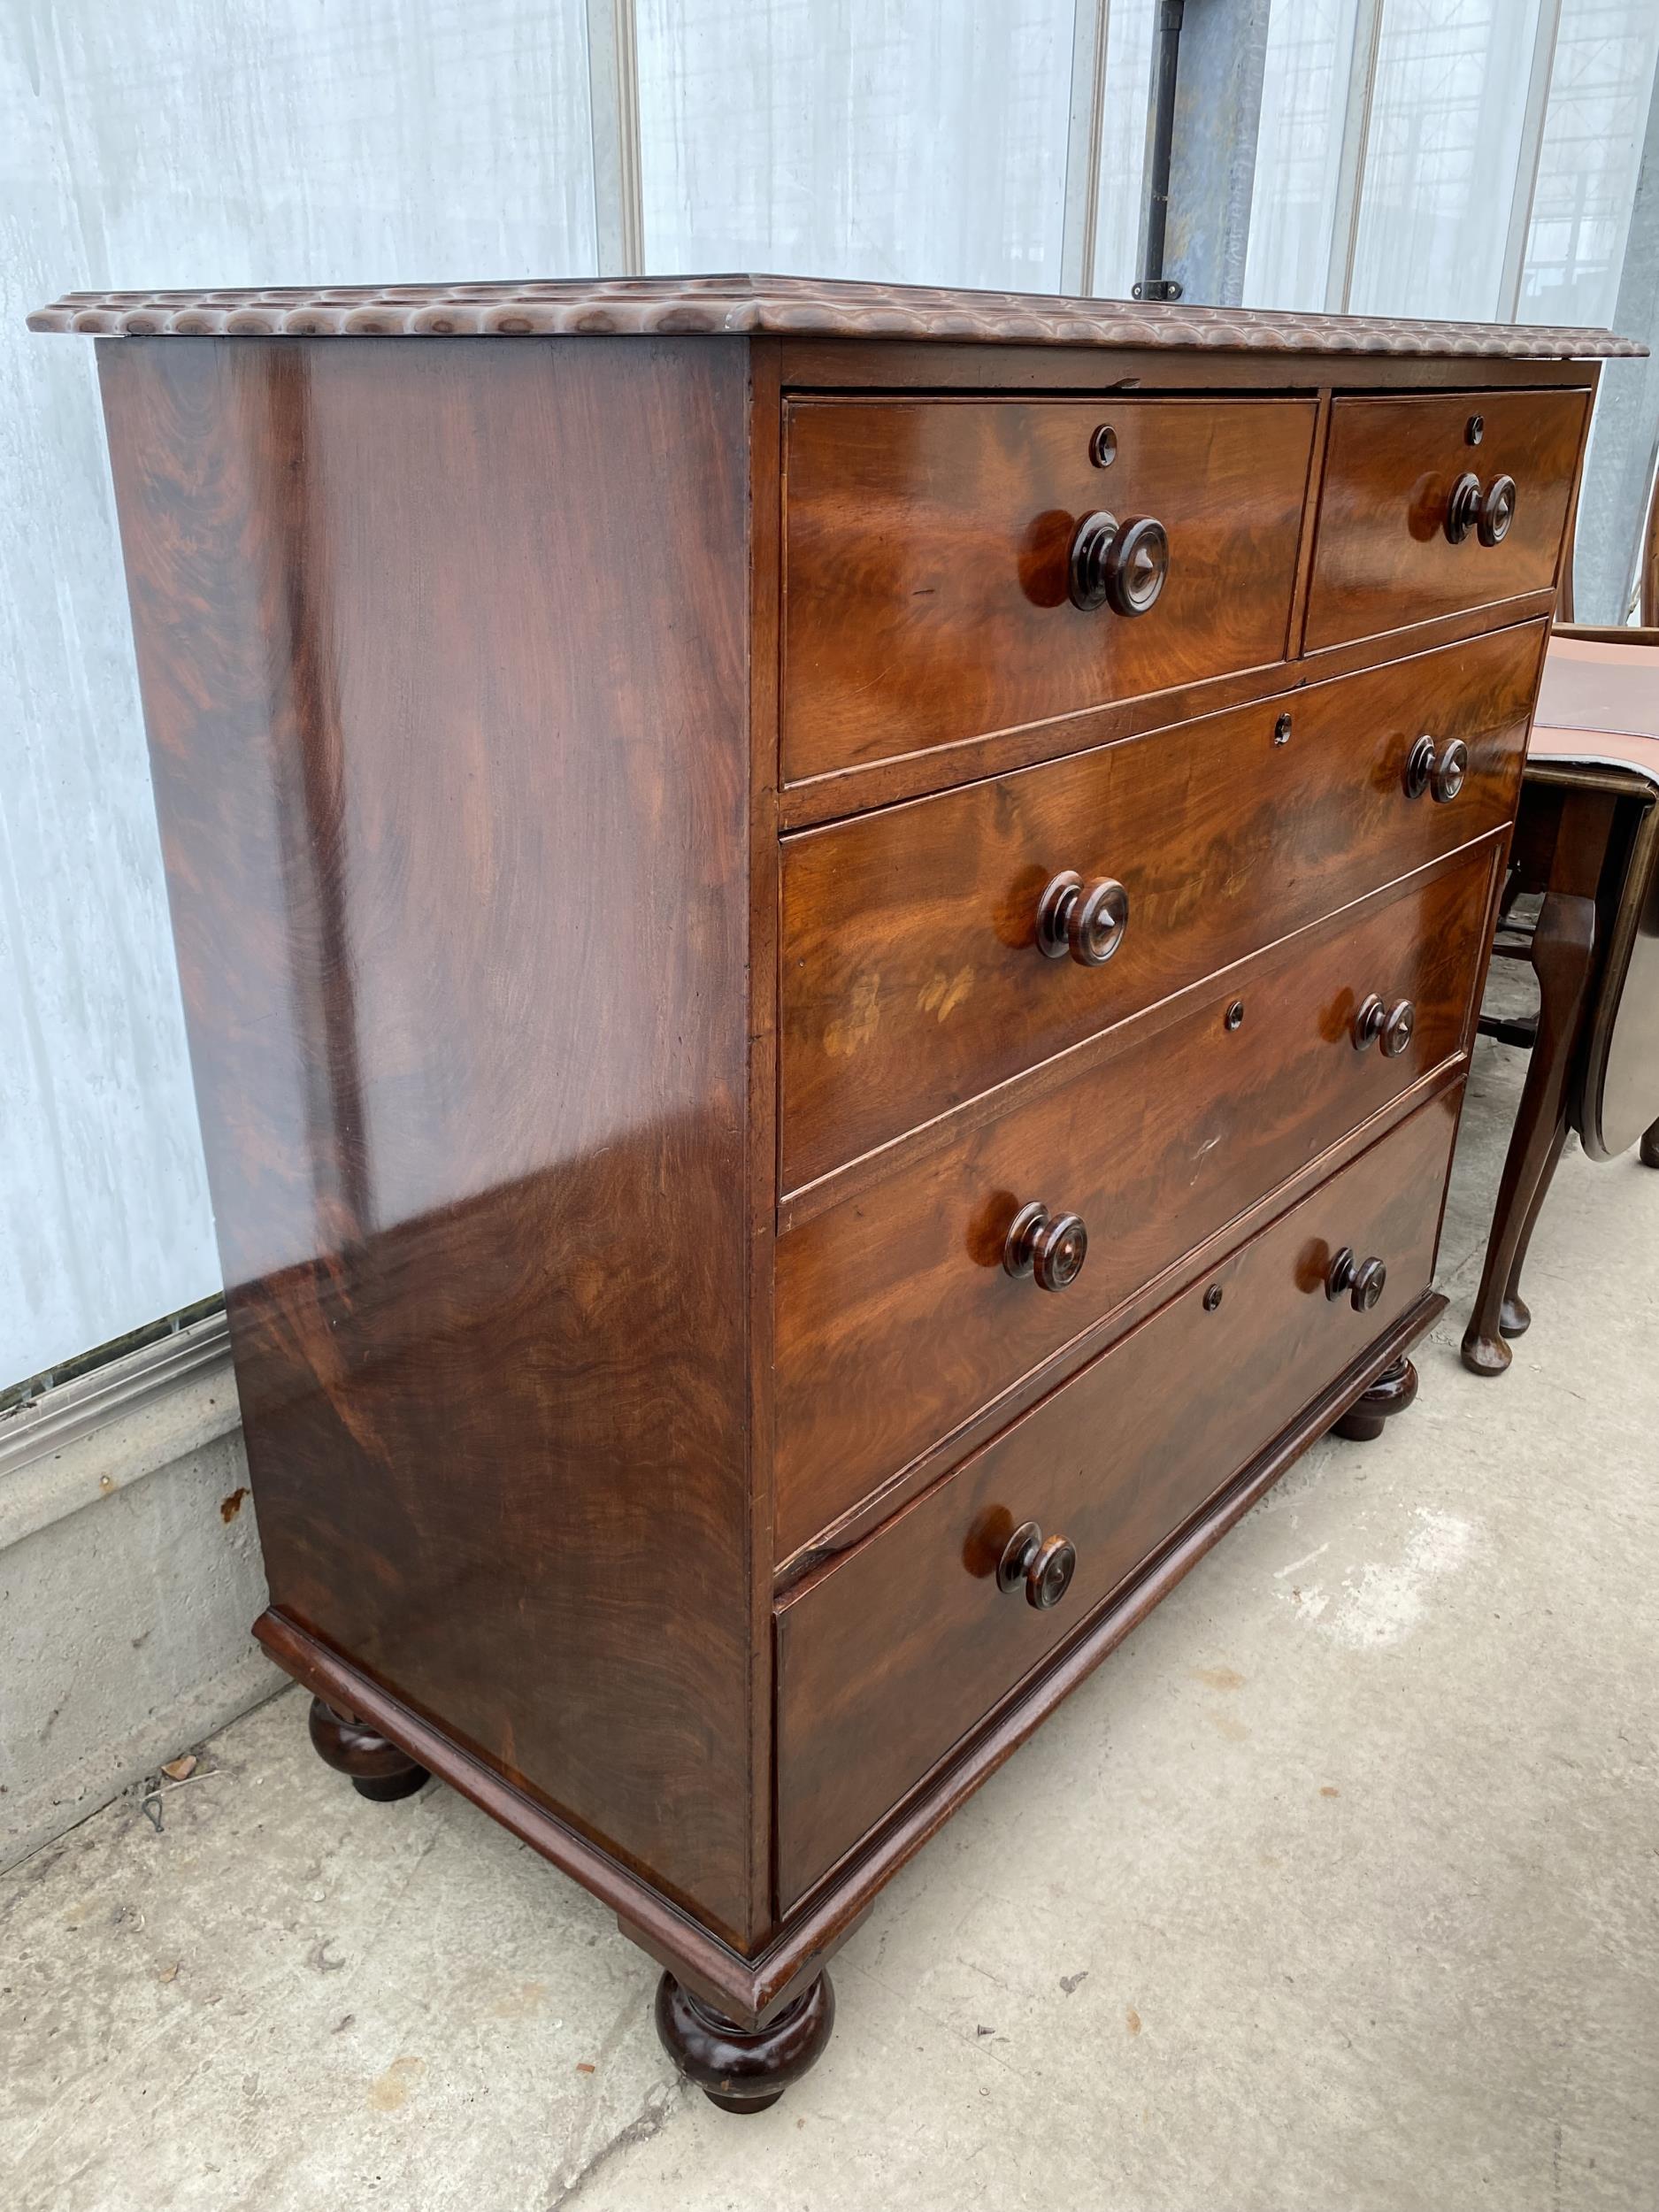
[[830, 939]]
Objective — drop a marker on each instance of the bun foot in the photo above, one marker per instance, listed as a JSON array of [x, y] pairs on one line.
[[1392, 1393], [376, 1769], [1515, 1315], [1650, 1145], [743, 2070]]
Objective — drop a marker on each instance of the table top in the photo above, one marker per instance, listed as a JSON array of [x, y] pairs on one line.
[[791, 306], [1598, 706]]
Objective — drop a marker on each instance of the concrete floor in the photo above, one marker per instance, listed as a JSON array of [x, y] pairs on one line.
[[1334, 1888]]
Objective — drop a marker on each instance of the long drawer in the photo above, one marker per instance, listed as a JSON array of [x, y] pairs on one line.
[[888, 1659], [911, 977], [927, 571], [1385, 557], [896, 1316]]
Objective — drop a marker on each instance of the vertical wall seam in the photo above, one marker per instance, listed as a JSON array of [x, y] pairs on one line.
[[613, 104], [1529, 157], [1091, 22], [1362, 87]]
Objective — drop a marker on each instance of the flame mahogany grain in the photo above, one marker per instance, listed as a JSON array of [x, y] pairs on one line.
[[926, 549], [1382, 557], [887, 1657], [448, 888], [911, 980], [896, 1319]]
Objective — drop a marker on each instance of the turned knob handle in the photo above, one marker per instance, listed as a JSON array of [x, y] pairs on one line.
[[1087, 921], [1122, 566], [1497, 511], [1044, 1564], [1361, 1280], [1438, 770], [1391, 1027], [1051, 1247], [1487, 512]]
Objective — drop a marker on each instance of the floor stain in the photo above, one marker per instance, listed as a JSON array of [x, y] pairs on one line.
[[389, 2091], [520, 2003]]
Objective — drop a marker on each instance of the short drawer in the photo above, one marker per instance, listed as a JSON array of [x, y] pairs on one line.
[[898, 1317], [893, 1655], [1399, 543], [927, 571], [912, 976]]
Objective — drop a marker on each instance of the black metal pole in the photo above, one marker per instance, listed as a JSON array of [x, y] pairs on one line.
[[1154, 284]]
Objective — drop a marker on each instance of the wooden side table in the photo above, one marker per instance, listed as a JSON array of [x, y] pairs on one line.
[[1587, 837]]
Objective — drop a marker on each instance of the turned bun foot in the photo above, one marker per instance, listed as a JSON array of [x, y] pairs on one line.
[[743, 2070], [1392, 1393], [1650, 1145], [377, 1768]]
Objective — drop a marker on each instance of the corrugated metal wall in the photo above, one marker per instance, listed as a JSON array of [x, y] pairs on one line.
[[232, 142], [1404, 142]]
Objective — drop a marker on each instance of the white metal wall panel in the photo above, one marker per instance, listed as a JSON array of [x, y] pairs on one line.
[[900, 141], [1447, 113], [1300, 151], [198, 143], [1600, 92]]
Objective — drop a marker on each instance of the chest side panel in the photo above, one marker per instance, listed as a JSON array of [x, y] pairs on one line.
[[445, 669]]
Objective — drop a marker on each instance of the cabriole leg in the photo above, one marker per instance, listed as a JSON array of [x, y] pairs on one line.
[[1564, 944]]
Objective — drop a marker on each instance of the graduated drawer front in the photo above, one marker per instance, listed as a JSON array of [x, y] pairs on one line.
[[926, 560], [910, 977], [897, 1320], [1382, 557], [894, 1654]]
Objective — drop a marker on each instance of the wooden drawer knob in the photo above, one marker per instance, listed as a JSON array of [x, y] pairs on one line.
[[1390, 1027], [1497, 511], [1361, 1280], [1438, 770], [1051, 1247], [1122, 566], [1044, 1564], [1487, 512], [1087, 922]]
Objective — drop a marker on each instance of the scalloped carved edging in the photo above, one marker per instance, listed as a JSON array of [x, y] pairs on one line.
[[789, 307]]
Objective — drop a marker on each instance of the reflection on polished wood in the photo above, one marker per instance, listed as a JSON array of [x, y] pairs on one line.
[[462, 937], [910, 977], [885, 1659], [1383, 557], [927, 555], [895, 1319], [733, 1326]]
